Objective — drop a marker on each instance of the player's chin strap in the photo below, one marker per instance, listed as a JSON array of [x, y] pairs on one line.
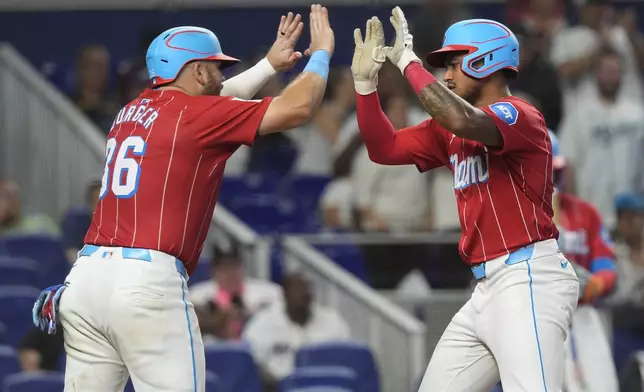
[[45, 310]]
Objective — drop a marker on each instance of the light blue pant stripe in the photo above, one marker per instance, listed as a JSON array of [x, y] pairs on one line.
[[536, 331], [192, 346]]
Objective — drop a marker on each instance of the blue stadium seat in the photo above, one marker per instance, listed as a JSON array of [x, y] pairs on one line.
[[321, 389], [201, 273], [234, 364], [8, 362], [34, 382], [213, 384], [348, 256], [353, 355], [3, 334], [16, 303], [268, 215], [19, 271], [74, 226], [307, 190], [320, 376], [46, 250]]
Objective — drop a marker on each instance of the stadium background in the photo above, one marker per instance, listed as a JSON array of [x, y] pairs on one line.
[[269, 210]]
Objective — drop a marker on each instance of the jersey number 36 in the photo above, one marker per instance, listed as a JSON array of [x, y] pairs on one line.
[[125, 179]]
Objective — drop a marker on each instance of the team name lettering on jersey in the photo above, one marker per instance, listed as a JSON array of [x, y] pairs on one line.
[[138, 113], [470, 170], [573, 242]]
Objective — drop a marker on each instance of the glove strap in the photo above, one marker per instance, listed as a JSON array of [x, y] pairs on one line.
[[366, 87], [407, 57]]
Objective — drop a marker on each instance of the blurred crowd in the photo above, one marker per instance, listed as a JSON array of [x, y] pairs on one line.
[[582, 65]]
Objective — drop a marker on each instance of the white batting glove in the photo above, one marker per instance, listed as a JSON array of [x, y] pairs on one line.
[[402, 53], [368, 57]]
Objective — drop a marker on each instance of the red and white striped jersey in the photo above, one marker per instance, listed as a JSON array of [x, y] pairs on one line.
[[165, 158], [504, 196]]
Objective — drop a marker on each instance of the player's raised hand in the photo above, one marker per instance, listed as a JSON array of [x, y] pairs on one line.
[[368, 56], [402, 52], [322, 37], [282, 55]]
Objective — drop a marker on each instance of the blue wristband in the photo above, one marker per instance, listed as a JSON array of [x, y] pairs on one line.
[[319, 63]]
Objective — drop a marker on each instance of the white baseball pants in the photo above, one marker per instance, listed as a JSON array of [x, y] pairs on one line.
[[513, 328], [589, 360], [127, 312]]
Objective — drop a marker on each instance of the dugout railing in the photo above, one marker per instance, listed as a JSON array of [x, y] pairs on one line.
[[53, 152]]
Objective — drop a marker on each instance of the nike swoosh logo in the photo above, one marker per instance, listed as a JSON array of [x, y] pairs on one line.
[[564, 264]]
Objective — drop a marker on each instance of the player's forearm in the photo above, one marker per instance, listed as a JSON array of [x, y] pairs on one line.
[[378, 133], [449, 110], [247, 84], [300, 99]]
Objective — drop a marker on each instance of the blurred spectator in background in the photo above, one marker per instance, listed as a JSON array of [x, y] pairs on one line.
[[92, 94], [77, 220], [538, 78], [630, 253], [12, 219], [133, 73], [428, 27], [544, 17], [601, 139], [276, 333], [40, 351], [230, 298], [575, 51]]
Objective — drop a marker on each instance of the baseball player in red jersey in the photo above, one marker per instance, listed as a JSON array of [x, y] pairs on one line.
[[583, 239], [124, 309], [514, 326]]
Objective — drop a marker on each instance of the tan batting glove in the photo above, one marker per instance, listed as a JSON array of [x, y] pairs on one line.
[[368, 57], [402, 53]]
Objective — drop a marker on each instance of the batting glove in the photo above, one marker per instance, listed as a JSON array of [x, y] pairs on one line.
[[402, 53], [368, 57], [45, 309], [593, 290]]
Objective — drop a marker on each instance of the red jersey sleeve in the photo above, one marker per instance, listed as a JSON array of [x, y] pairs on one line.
[[225, 120], [521, 125], [601, 246], [426, 145]]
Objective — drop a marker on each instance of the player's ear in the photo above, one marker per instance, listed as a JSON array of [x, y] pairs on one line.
[[199, 71]]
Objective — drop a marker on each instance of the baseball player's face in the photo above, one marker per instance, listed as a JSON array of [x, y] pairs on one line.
[[462, 85]]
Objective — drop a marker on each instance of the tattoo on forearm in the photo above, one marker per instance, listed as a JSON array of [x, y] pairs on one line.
[[440, 103]]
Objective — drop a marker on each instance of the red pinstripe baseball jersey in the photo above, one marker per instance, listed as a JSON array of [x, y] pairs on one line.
[[165, 158], [583, 237], [504, 196]]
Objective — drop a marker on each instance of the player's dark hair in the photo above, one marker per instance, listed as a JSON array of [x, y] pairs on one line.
[[224, 256]]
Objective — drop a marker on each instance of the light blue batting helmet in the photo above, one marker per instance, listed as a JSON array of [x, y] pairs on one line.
[[480, 39], [174, 48], [558, 161]]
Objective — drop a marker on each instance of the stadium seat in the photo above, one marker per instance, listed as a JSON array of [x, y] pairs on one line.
[[268, 215], [233, 363], [320, 376], [15, 311], [34, 382], [8, 362], [46, 250], [348, 256], [74, 225], [3, 334], [307, 190], [201, 273], [321, 389], [353, 355], [19, 271]]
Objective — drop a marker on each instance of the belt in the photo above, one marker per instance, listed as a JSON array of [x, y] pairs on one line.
[[130, 253], [516, 257]]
